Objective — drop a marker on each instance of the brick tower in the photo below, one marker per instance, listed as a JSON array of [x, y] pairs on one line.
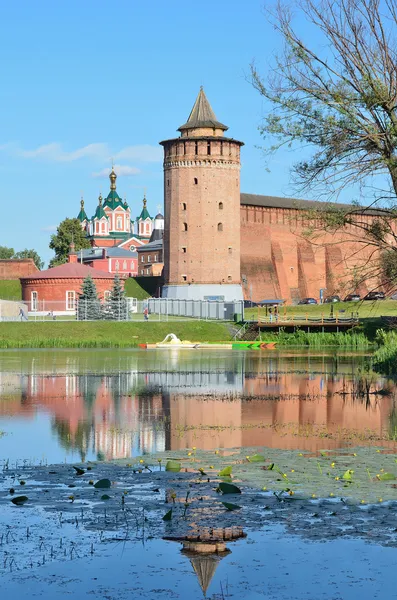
[[202, 209]]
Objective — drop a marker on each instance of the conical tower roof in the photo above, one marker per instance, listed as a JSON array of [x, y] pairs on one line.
[[202, 115], [204, 567]]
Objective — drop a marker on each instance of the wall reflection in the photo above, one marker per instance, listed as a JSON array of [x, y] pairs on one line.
[[171, 402]]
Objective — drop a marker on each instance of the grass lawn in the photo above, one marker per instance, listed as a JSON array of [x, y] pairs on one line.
[[87, 334], [10, 289], [141, 287], [365, 310]]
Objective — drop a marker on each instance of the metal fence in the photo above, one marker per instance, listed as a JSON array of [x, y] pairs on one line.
[[130, 309]]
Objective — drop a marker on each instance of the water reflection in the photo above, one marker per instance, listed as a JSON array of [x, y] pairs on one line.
[[113, 404]]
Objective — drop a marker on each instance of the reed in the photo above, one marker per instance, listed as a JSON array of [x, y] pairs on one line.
[[319, 340]]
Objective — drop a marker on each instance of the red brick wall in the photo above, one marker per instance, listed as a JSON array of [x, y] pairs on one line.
[[15, 268], [277, 261]]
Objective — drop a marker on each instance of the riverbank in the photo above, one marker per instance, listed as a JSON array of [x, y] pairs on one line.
[[103, 334]]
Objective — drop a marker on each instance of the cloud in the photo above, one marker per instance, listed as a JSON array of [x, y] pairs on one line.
[[144, 153], [54, 152], [50, 228], [124, 170]]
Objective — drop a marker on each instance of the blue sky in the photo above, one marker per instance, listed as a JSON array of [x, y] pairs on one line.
[[85, 82]]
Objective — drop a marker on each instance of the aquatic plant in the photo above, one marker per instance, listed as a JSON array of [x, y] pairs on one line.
[[385, 358]]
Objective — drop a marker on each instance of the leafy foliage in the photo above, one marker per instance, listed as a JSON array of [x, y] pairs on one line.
[[68, 231], [26, 253], [8, 253]]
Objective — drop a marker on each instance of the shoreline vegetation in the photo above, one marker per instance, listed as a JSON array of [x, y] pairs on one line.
[[102, 334]]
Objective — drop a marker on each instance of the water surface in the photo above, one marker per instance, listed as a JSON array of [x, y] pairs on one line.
[[68, 405]]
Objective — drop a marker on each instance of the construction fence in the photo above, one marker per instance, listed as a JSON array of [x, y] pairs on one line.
[[129, 309]]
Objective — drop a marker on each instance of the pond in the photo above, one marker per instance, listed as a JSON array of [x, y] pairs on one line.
[[67, 405]]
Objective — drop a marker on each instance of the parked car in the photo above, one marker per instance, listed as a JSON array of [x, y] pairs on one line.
[[250, 304], [331, 299], [308, 301], [352, 298], [375, 296]]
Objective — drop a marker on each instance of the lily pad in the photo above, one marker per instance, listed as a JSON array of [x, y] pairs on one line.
[[256, 458], [231, 506], [227, 471], [168, 516], [386, 476], [19, 500], [78, 470], [105, 497], [173, 465], [229, 488], [103, 484], [347, 475]]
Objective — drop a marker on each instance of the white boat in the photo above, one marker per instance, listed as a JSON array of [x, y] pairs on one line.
[[172, 341]]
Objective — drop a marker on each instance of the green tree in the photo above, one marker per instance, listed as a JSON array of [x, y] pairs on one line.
[[30, 254], [333, 91], [116, 307], [68, 231], [88, 305], [6, 253]]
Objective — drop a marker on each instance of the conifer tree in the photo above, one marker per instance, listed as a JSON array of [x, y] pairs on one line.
[[117, 306], [89, 305]]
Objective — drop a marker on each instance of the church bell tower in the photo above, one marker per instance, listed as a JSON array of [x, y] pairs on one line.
[[202, 209]]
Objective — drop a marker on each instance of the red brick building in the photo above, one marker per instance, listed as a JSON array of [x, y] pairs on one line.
[[111, 260], [57, 289]]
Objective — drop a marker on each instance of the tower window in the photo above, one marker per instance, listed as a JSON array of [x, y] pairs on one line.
[[183, 205], [230, 250], [221, 148], [195, 181], [196, 147], [168, 182], [229, 277], [184, 278], [208, 147], [220, 226], [220, 205], [184, 147], [185, 227], [184, 249]]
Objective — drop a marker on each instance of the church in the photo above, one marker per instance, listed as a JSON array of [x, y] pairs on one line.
[[113, 224]]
